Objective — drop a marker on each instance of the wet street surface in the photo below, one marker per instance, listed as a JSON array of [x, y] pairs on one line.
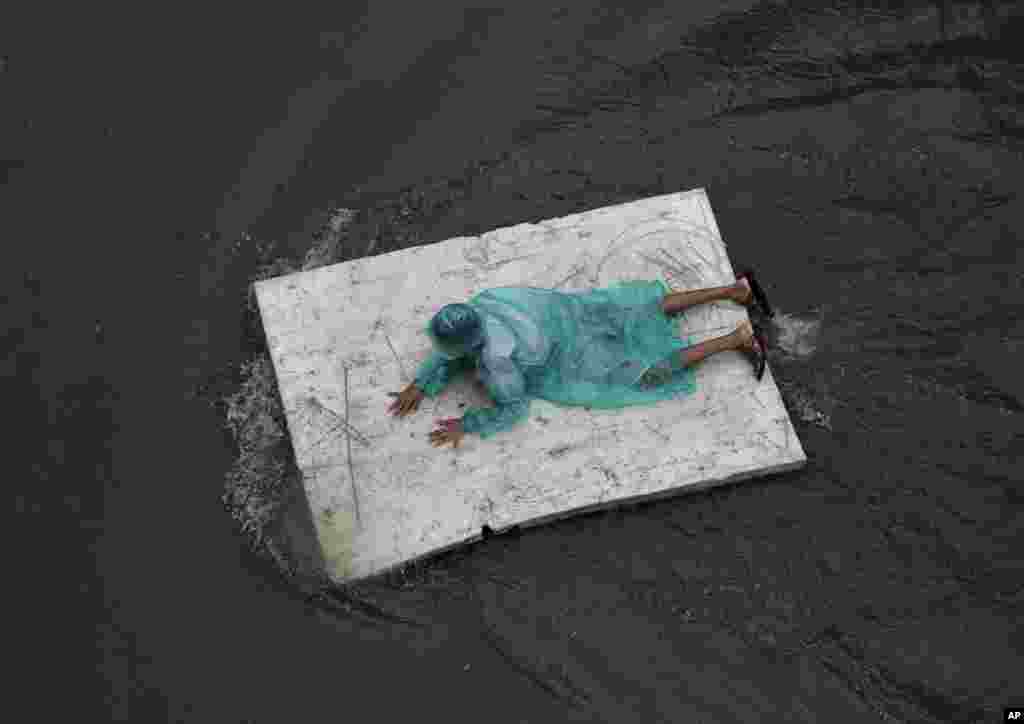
[[865, 158]]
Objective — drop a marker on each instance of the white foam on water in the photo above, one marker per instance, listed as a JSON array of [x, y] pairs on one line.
[[797, 338], [256, 486], [803, 404], [798, 335]]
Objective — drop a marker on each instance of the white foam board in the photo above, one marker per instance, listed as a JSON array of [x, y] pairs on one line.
[[408, 499]]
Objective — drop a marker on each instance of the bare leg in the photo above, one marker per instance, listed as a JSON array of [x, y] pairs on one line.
[[741, 339], [675, 302]]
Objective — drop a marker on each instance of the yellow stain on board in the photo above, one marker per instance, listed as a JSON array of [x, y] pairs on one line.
[[336, 530]]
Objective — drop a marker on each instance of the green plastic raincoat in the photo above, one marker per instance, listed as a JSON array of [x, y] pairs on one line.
[[606, 348]]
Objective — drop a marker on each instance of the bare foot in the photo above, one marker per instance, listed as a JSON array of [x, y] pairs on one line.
[[744, 294], [745, 337]]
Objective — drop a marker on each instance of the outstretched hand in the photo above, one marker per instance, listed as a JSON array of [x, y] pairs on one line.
[[407, 401], [449, 430]]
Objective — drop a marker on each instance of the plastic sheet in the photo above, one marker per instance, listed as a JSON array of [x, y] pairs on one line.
[[610, 347]]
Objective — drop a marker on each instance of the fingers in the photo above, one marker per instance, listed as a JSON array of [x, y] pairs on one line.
[[438, 438], [403, 405]]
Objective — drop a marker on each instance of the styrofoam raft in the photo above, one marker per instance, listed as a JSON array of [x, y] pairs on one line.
[[414, 499]]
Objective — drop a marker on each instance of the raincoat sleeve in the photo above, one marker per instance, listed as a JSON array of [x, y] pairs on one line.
[[437, 371], [507, 388]]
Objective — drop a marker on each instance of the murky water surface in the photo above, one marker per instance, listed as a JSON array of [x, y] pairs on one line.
[[864, 157]]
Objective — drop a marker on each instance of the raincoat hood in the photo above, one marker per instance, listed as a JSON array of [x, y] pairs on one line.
[[456, 331]]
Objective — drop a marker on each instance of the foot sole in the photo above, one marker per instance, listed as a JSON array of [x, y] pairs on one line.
[[757, 292], [762, 355]]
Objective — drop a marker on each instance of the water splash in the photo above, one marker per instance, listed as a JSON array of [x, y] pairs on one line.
[[257, 478], [804, 403], [259, 484], [797, 339], [798, 336]]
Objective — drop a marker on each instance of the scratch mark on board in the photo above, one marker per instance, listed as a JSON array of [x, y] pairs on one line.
[[401, 367]]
